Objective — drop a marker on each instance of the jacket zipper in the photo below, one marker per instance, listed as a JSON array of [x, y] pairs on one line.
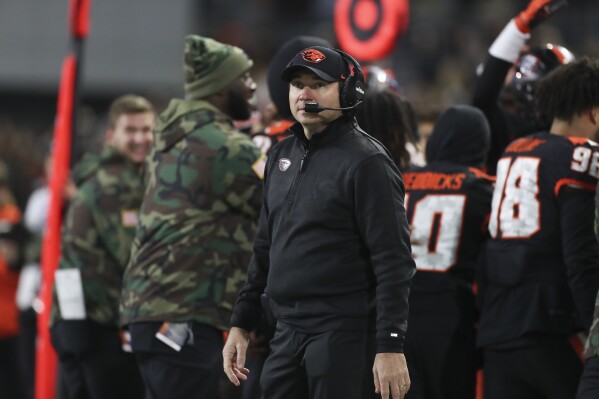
[[298, 177]]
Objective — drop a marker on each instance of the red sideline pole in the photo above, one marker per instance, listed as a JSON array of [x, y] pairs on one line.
[[45, 376], [45, 367], [79, 18]]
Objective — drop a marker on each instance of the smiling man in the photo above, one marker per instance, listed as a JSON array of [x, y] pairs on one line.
[[332, 251], [96, 241]]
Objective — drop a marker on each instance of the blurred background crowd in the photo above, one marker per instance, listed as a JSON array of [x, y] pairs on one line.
[[136, 47]]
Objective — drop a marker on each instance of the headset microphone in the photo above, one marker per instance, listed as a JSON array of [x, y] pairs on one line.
[[316, 108]]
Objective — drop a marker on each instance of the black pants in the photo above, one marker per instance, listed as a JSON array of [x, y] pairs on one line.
[[334, 364], [589, 382], [250, 389], [27, 337], [441, 355], [194, 372], [550, 368], [256, 356], [10, 386], [93, 364]]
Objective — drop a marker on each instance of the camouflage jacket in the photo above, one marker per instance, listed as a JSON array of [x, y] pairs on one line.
[[98, 230], [197, 222], [86, 167]]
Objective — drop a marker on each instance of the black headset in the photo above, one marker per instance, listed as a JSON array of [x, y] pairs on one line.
[[351, 90]]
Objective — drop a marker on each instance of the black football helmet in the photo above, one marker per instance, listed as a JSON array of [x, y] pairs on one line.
[[531, 66], [379, 79]]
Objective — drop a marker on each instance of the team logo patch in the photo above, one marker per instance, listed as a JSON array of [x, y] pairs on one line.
[[284, 164], [313, 56]]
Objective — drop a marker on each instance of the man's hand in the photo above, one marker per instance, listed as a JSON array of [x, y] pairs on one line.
[[536, 12], [391, 378], [234, 355]]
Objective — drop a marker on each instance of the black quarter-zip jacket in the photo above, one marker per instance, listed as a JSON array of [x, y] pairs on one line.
[[332, 250]]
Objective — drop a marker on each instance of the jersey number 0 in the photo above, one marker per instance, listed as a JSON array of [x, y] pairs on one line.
[[436, 227]]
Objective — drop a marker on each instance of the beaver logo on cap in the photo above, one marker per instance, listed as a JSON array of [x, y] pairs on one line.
[[312, 55]]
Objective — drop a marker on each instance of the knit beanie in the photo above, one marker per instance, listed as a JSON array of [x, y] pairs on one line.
[[211, 66]]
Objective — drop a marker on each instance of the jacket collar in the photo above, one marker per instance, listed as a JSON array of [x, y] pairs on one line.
[[111, 155], [181, 118], [91, 163], [334, 130]]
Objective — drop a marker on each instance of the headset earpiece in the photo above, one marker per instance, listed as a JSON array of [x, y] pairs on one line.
[[346, 96], [351, 90]]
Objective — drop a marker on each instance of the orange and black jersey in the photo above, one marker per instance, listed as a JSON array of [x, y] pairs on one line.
[[542, 264], [448, 207], [270, 136]]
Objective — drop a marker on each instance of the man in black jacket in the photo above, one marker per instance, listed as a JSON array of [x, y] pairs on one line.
[[332, 251]]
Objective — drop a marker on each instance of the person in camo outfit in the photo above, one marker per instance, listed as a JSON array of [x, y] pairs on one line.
[[197, 226], [96, 241]]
